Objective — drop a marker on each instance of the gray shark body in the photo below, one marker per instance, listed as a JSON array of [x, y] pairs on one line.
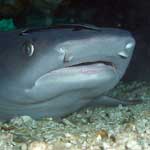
[[57, 70]]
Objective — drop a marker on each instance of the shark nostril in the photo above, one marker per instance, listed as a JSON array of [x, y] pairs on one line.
[[129, 45], [123, 54]]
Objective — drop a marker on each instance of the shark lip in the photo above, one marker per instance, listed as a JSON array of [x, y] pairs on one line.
[[92, 63]]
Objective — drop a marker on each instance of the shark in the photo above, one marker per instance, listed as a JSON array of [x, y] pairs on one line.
[[57, 70]]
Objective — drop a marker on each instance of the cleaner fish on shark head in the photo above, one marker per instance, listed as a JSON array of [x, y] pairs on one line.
[[57, 70]]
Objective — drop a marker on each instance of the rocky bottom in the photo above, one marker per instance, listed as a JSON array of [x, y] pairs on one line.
[[111, 128]]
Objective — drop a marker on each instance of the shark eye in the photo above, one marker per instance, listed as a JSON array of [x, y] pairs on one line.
[[28, 48]]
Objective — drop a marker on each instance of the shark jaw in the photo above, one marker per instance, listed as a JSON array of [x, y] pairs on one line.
[[87, 75], [93, 69]]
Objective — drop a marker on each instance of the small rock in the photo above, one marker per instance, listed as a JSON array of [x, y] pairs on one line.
[[68, 145], [38, 146], [103, 133], [24, 146], [132, 145], [6, 141], [21, 120]]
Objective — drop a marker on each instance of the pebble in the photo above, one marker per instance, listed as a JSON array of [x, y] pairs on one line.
[[68, 145], [24, 146], [133, 145], [38, 146]]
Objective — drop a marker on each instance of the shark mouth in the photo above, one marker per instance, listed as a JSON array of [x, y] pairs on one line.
[[93, 63], [93, 67]]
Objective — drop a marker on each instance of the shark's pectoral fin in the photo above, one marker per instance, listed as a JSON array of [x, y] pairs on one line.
[[109, 101]]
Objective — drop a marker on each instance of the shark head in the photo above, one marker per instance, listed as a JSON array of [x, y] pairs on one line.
[[39, 64]]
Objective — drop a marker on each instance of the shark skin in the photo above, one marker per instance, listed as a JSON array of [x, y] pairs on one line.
[[57, 70]]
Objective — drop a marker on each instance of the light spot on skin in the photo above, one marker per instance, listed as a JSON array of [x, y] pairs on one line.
[[31, 50], [63, 55], [129, 45], [123, 54]]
